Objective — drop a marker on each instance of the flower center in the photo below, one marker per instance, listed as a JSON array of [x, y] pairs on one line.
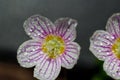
[[116, 48], [53, 46]]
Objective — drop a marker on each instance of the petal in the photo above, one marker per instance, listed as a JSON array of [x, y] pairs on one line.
[[100, 44], [113, 25], [71, 55], [66, 27], [112, 67], [29, 53], [48, 69], [38, 26]]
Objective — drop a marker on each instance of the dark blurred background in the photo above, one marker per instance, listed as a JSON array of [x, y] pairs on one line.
[[91, 15]]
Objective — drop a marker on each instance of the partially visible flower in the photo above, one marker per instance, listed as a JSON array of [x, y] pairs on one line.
[[105, 45], [50, 48]]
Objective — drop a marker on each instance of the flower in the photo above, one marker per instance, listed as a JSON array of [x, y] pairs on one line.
[[105, 45], [50, 48]]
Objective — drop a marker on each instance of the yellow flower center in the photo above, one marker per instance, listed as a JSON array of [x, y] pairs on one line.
[[53, 46], [116, 48]]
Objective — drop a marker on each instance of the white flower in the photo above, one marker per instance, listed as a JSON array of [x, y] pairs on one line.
[[105, 45], [51, 46]]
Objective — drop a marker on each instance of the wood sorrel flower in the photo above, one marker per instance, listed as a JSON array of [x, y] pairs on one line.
[[105, 45], [51, 46]]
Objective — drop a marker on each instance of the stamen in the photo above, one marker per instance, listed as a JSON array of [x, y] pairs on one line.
[[116, 48], [53, 46]]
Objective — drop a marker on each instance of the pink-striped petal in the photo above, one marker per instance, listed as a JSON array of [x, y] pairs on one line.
[[38, 26], [66, 27], [71, 55], [29, 53], [100, 44], [112, 67], [113, 25], [48, 69]]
